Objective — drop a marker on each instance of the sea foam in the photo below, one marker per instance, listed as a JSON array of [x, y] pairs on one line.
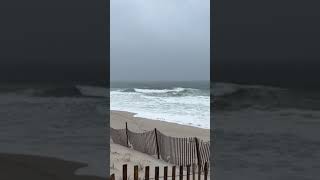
[[187, 106]]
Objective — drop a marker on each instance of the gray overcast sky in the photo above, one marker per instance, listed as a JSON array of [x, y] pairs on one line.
[[160, 39]]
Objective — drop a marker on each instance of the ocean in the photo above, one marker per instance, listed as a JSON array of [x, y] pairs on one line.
[[263, 132], [62, 121], [186, 103]]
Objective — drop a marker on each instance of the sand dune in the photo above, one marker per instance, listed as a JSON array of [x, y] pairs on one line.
[[120, 155]]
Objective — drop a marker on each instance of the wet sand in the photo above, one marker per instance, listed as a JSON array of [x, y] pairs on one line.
[[18, 167]]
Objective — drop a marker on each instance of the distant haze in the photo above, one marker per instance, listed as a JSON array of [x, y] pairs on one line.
[[160, 40]]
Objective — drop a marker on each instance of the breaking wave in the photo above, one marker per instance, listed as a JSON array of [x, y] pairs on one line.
[[179, 91], [229, 96], [189, 106]]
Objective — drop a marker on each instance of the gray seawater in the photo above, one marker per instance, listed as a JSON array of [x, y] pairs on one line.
[[55, 121], [186, 103], [204, 85], [260, 132], [264, 133]]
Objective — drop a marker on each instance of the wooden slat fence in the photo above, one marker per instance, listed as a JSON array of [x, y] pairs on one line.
[[178, 151], [204, 148], [183, 173], [143, 142]]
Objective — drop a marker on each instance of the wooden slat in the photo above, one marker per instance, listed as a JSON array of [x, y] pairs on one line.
[[181, 151], [193, 172], [194, 153], [172, 154], [180, 147], [199, 171], [165, 173], [157, 143], [177, 151], [127, 134], [201, 153], [173, 172], [208, 154], [206, 171], [188, 172], [181, 173], [156, 173], [184, 151], [187, 151], [136, 173], [147, 173], [188, 154], [124, 172], [198, 151]]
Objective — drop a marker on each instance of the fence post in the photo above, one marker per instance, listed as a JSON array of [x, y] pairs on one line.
[[181, 173], [156, 173], [127, 134], [156, 134], [193, 172], [206, 171], [198, 150], [135, 173], [173, 172], [188, 172], [112, 177], [147, 173], [199, 158], [165, 173], [124, 172]]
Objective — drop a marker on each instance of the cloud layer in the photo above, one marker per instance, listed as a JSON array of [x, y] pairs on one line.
[[160, 40]]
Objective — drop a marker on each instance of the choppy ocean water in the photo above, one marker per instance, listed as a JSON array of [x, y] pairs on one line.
[[185, 103], [265, 132], [67, 122], [261, 132]]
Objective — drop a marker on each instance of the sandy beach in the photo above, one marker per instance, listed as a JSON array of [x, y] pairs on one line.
[[17, 167], [120, 155]]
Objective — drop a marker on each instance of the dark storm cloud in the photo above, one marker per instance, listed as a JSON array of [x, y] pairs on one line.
[[160, 40], [273, 42], [61, 40]]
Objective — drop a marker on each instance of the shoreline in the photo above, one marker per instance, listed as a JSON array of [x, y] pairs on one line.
[[139, 124], [21, 166]]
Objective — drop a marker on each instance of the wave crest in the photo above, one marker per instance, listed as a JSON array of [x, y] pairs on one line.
[[179, 91], [236, 97], [159, 90]]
